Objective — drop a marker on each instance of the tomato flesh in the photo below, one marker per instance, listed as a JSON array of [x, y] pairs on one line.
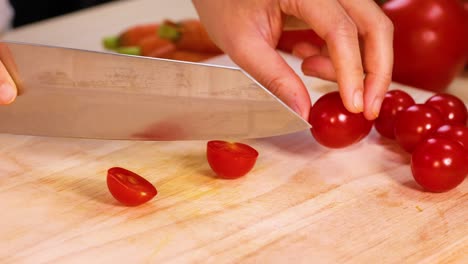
[[128, 187], [230, 160], [439, 164], [416, 123], [451, 107], [333, 125], [394, 102]]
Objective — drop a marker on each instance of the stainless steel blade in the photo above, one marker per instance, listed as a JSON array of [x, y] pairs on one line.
[[67, 92]]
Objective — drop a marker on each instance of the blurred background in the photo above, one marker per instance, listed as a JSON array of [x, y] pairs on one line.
[[29, 11]]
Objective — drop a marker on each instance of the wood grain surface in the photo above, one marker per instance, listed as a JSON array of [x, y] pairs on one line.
[[302, 203]]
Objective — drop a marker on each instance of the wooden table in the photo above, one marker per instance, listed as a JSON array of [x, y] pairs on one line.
[[302, 203]]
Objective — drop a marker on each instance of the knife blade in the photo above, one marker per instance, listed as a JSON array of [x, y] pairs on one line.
[[69, 92]]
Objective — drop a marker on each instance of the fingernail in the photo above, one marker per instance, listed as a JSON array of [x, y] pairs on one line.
[[358, 100], [7, 93], [376, 106]]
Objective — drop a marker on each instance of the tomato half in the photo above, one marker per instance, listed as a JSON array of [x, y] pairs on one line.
[[416, 123], [394, 102], [439, 164], [452, 108], [333, 125], [128, 187], [430, 41], [230, 160]]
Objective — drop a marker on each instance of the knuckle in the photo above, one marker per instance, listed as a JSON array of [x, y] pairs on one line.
[[277, 86], [385, 24]]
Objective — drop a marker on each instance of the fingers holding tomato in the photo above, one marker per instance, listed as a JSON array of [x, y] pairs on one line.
[[333, 125]]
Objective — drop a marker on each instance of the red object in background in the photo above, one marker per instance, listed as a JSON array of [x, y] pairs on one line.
[[133, 35], [394, 102], [189, 35], [230, 160], [333, 125], [290, 38], [128, 187], [439, 164], [430, 41]]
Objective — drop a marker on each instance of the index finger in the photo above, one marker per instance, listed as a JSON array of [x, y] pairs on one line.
[[377, 32], [331, 22]]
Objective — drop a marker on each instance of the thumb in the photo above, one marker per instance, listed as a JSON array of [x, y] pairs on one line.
[[264, 64], [8, 89]]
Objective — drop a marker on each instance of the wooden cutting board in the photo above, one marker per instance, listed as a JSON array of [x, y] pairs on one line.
[[302, 203]]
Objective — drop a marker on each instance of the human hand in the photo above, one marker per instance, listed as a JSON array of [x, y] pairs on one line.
[[248, 31], [8, 89]]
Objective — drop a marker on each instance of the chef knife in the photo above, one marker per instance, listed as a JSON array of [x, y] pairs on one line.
[[69, 92]]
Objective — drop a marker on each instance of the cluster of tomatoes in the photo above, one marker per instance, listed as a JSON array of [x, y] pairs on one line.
[[433, 132]]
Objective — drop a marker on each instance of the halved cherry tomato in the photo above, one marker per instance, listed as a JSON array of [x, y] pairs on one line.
[[333, 125], [451, 107], [394, 102], [416, 123], [230, 160], [128, 187], [439, 164], [455, 132]]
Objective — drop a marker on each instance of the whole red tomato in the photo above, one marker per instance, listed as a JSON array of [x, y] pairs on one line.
[[430, 41], [439, 164], [415, 124], [333, 125], [230, 160], [452, 108], [394, 102]]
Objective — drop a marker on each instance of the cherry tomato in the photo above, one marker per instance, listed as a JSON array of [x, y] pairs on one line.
[[128, 187], [290, 38], [394, 102], [414, 124], [439, 164], [333, 125], [230, 160], [451, 107], [430, 40], [455, 132]]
